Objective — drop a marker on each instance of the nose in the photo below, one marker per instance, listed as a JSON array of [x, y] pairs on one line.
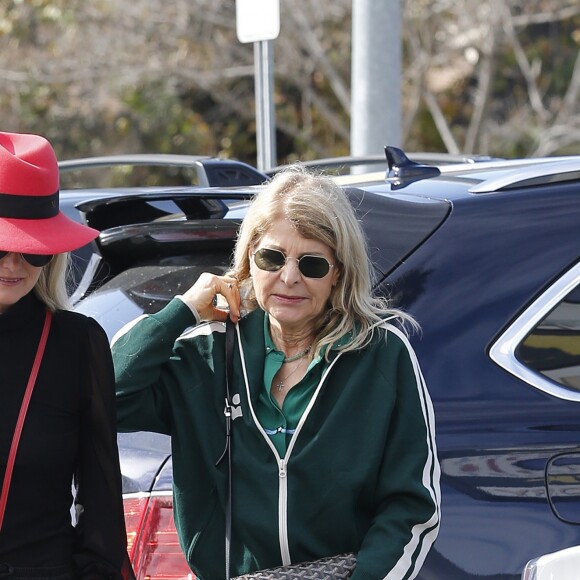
[[11, 260], [290, 272]]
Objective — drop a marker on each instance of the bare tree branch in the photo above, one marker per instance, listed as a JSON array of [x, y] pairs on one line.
[[530, 73], [319, 55], [441, 123], [485, 74], [571, 99]]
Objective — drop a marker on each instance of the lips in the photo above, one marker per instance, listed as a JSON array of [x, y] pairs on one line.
[[292, 299], [10, 281]]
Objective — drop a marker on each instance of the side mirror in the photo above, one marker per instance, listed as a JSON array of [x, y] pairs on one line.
[[563, 486]]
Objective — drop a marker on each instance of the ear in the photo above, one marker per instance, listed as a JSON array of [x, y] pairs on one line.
[[251, 261], [335, 277]]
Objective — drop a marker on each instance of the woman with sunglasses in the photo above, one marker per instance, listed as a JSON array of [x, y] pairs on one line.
[[332, 430], [58, 446]]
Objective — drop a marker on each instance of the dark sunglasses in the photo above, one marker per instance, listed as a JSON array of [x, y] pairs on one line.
[[36, 260], [309, 266]]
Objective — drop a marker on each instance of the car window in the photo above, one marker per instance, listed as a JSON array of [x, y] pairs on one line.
[[552, 348], [542, 346], [147, 289], [127, 175]]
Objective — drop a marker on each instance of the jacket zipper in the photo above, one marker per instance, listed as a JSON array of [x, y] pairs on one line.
[[282, 462], [283, 512]]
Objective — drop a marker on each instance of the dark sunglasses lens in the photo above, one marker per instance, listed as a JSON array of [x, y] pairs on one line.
[[314, 266], [37, 260], [269, 260]]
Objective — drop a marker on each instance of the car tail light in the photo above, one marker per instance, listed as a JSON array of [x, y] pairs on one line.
[[152, 540]]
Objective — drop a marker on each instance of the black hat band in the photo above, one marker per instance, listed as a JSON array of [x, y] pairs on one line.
[[28, 207]]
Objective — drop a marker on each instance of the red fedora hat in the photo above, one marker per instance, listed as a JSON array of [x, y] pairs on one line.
[[30, 219]]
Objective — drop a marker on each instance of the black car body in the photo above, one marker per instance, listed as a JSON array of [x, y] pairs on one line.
[[486, 257]]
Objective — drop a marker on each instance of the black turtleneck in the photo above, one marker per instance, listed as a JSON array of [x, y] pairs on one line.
[[69, 432]]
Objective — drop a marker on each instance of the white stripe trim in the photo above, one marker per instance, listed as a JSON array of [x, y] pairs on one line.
[[203, 329], [430, 528], [124, 329]]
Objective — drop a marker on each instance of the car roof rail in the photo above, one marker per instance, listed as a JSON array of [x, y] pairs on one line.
[[545, 171], [353, 161], [130, 159], [338, 163], [517, 172]]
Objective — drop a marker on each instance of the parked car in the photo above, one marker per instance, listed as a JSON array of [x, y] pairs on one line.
[[129, 177], [560, 565], [155, 169], [486, 257]]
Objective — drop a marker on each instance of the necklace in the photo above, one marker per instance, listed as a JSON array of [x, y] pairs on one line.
[[281, 384], [292, 358]]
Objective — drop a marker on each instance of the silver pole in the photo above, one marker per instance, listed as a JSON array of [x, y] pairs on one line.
[[376, 76], [265, 124]]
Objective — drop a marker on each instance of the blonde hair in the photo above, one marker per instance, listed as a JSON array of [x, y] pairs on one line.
[[51, 286], [320, 210]]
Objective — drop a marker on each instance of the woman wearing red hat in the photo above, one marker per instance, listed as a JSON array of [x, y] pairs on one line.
[[57, 414]]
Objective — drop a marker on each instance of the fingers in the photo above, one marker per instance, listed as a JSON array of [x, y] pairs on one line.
[[232, 295], [202, 296]]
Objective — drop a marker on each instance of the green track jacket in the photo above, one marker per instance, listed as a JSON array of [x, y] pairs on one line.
[[360, 473]]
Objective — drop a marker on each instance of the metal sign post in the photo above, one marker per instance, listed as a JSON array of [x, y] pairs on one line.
[[258, 21], [265, 122]]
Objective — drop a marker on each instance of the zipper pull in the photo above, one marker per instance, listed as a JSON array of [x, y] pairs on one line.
[[282, 469]]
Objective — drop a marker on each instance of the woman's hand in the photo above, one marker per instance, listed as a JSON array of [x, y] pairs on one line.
[[202, 294]]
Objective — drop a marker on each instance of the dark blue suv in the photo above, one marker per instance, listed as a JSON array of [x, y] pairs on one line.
[[486, 256]]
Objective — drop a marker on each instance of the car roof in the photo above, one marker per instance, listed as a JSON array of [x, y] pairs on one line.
[[456, 181], [353, 163]]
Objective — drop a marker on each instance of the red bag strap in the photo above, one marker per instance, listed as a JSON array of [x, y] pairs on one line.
[[22, 415]]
